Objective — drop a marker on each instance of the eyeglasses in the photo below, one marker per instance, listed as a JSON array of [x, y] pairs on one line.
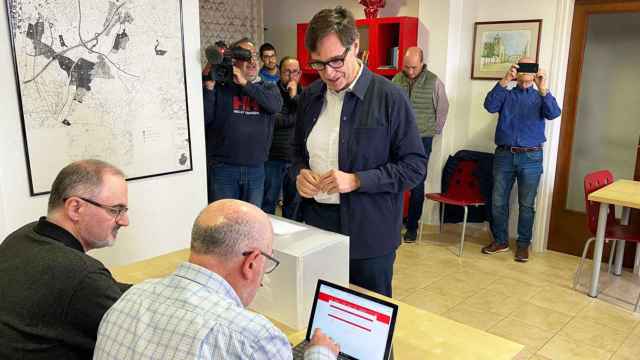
[[334, 63], [272, 262], [269, 56], [291, 72], [116, 211]]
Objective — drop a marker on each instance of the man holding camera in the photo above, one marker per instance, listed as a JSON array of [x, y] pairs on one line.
[[239, 122], [518, 156]]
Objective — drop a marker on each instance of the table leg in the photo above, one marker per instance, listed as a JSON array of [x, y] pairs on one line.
[[636, 263], [620, 245], [597, 249]]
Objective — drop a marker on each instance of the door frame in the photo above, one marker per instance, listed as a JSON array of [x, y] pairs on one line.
[[575, 221]]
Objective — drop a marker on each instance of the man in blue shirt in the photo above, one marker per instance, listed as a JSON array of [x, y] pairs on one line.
[[518, 156]]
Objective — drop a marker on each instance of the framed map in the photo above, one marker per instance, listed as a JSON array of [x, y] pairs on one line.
[[103, 80]]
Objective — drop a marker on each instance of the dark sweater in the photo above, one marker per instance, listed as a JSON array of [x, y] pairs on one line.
[[53, 295], [239, 122], [285, 122]]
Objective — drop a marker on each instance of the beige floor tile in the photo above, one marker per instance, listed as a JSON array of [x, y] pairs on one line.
[[630, 349], [560, 299], [416, 280], [560, 348], [458, 284], [515, 288], [532, 337], [594, 334], [494, 302], [479, 319], [541, 317], [610, 315], [434, 302]]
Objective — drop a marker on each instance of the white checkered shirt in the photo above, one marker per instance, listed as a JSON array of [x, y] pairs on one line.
[[191, 314]]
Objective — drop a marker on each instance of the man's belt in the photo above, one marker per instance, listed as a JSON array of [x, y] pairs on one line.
[[520, 149]]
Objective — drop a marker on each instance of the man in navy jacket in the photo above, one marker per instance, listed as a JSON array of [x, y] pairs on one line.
[[356, 149], [239, 128]]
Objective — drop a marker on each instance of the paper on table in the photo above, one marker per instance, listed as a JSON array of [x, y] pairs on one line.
[[284, 228]]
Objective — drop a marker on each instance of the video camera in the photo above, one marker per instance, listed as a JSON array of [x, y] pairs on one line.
[[221, 61]]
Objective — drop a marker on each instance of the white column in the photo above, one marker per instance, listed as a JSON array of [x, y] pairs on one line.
[[557, 76]]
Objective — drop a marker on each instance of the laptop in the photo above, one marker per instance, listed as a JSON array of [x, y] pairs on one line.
[[361, 324]]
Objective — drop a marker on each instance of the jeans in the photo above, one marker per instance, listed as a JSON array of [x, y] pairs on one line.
[[274, 172], [508, 167], [244, 183], [416, 200], [277, 179]]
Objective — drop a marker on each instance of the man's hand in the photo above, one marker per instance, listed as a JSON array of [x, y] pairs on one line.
[[238, 77], [321, 339], [209, 84], [292, 87], [336, 181], [541, 82], [307, 183], [510, 76]]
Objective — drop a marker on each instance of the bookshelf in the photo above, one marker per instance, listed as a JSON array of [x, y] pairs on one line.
[[378, 38]]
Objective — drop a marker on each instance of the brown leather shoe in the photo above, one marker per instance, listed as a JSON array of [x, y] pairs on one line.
[[495, 248], [522, 254]]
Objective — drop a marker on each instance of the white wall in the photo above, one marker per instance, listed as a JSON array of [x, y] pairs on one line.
[[281, 17], [608, 113], [162, 208]]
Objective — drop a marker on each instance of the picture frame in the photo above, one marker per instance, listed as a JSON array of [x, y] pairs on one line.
[[105, 81], [498, 44]]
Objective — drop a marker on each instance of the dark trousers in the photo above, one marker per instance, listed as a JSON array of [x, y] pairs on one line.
[[376, 273], [416, 200]]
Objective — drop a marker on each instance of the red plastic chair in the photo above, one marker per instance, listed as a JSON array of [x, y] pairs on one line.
[[463, 190], [614, 231]]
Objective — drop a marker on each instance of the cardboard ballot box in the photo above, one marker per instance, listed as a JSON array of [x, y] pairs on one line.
[[306, 254]]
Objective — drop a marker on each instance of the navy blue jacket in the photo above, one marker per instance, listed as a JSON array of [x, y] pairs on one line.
[[380, 143], [239, 122]]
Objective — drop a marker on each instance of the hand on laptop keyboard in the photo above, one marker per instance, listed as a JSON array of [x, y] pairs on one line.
[[320, 338]]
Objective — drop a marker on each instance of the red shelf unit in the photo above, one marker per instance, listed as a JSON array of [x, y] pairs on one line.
[[378, 37]]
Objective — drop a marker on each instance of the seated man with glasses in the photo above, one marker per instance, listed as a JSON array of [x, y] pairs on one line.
[[238, 127], [53, 294], [277, 167], [198, 312]]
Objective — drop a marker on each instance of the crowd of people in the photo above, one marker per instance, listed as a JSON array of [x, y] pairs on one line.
[[339, 153]]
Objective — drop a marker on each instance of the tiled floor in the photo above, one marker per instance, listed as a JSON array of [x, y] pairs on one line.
[[532, 303]]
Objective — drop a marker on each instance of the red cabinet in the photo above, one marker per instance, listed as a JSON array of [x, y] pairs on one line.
[[381, 40]]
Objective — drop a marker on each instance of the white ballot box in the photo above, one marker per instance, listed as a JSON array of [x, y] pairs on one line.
[[306, 254]]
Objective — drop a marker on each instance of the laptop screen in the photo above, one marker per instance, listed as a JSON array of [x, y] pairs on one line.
[[360, 324]]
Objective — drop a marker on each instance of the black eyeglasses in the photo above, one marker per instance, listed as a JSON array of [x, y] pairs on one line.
[[335, 63], [116, 211], [271, 265]]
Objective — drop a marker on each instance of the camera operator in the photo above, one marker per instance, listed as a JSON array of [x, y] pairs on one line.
[[238, 126]]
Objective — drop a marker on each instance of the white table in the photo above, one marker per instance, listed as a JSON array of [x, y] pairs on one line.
[[625, 193]]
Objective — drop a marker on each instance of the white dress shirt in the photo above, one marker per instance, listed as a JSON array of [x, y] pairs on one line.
[[324, 139]]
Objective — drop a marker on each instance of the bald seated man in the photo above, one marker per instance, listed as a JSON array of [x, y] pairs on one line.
[[199, 312], [429, 101], [518, 156]]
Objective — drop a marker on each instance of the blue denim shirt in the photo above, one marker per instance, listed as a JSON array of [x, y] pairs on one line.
[[522, 114], [380, 143]]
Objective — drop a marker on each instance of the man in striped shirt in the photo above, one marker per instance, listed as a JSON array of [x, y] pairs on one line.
[[199, 312]]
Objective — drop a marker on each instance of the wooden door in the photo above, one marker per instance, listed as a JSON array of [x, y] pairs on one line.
[[568, 230]]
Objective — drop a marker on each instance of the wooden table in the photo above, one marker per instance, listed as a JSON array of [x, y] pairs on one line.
[[624, 193], [419, 334]]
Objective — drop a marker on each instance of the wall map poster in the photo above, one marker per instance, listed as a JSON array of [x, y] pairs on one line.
[[101, 79]]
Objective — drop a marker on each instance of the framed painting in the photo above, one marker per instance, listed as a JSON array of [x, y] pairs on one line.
[[498, 44], [102, 80]]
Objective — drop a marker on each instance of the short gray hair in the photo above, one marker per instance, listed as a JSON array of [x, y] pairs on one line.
[[80, 178], [228, 238], [338, 20]]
